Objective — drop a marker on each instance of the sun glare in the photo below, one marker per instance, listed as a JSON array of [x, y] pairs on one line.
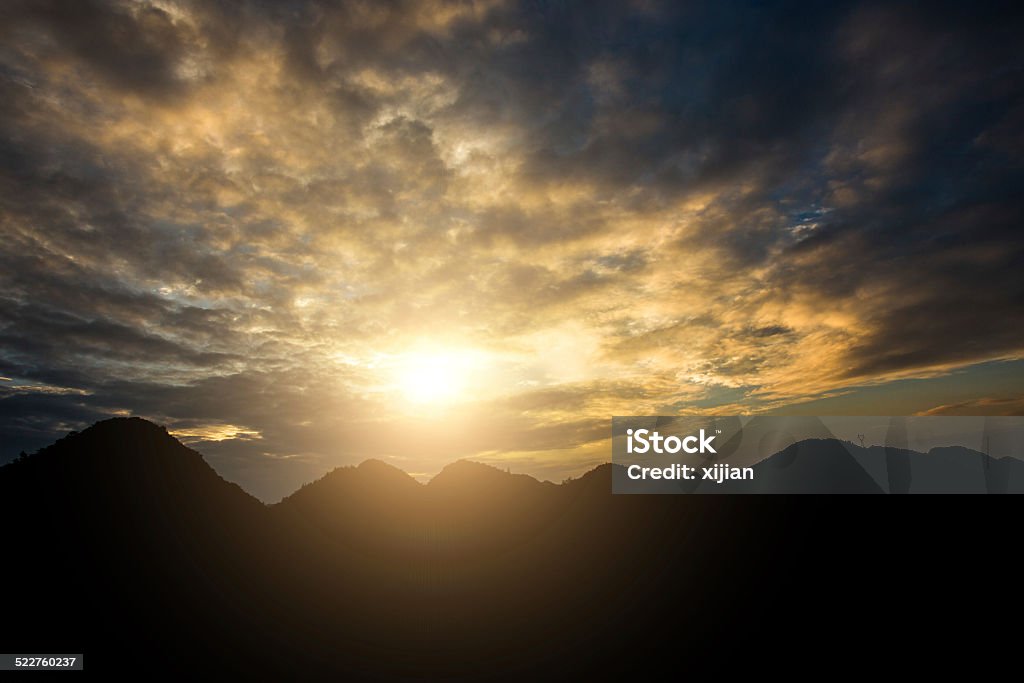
[[433, 378]]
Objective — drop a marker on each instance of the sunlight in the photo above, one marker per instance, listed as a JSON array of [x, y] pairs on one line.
[[433, 377]]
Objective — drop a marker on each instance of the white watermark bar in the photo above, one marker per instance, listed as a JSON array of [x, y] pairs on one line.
[[817, 455]]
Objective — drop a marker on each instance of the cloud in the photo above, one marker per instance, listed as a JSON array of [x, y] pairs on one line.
[[132, 46], [982, 407]]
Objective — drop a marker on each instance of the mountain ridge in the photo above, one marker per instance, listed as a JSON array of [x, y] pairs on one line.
[[124, 437]]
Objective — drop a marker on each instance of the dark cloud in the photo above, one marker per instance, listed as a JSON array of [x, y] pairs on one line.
[[134, 47]]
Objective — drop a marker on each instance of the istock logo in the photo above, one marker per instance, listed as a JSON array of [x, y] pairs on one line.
[[648, 441]]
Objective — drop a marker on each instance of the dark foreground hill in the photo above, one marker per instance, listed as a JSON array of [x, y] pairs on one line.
[[122, 543]]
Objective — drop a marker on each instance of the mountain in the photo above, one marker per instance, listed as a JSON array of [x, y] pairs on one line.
[[808, 466], [143, 466], [368, 504], [949, 469], [124, 544], [122, 519]]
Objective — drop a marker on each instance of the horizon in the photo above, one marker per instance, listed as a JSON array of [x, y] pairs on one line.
[[308, 233], [952, 435]]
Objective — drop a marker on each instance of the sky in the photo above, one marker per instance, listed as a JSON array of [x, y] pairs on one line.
[[304, 234]]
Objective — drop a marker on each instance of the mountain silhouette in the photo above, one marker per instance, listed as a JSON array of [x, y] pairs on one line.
[[367, 504], [808, 466], [836, 466], [123, 519], [125, 545]]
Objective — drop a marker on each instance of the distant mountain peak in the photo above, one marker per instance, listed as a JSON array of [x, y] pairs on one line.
[[130, 422], [463, 468], [125, 462], [122, 426], [463, 473], [370, 478], [122, 437], [373, 465]]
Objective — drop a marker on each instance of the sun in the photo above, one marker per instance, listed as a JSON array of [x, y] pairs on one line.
[[432, 377]]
